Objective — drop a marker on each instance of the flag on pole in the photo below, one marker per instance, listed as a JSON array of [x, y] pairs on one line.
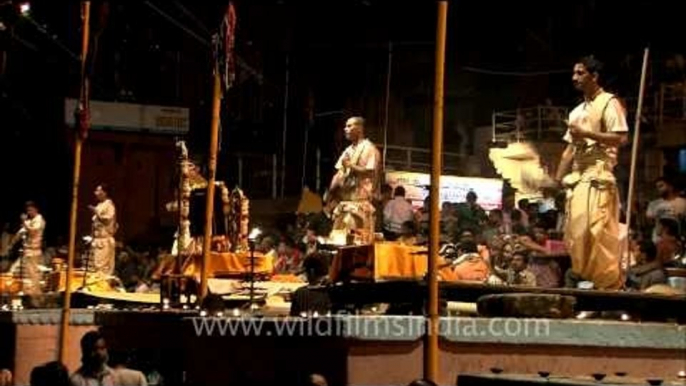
[[224, 46], [82, 113], [82, 120]]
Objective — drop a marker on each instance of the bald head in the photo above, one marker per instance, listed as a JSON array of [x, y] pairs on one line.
[[354, 129], [318, 380]]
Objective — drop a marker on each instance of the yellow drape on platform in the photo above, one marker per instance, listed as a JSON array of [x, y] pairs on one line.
[[381, 261], [228, 263], [394, 260]]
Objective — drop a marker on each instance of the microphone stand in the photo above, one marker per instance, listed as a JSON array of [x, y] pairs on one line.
[[251, 244], [87, 262], [21, 264]]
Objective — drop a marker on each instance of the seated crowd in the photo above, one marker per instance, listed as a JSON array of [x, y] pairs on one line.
[[520, 244]]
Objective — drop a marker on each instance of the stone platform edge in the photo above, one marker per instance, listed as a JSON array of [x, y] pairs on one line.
[[457, 330]]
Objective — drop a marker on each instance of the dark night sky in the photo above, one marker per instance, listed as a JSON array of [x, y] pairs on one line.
[[337, 51]]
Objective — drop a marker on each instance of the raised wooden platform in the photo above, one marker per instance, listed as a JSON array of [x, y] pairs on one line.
[[640, 306]]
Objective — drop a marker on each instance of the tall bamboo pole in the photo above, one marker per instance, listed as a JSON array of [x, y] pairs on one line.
[[212, 170], [284, 130], [83, 106], [387, 103], [431, 346], [634, 153]]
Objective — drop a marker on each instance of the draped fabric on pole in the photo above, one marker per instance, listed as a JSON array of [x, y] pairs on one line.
[[224, 47]]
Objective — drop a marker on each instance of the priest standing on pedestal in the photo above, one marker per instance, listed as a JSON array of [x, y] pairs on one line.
[[596, 129], [104, 228], [355, 182]]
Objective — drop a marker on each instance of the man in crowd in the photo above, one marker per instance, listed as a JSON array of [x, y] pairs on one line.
[[495, 226], [408, 235], [312, 297], [470, 214], [94, 369], [648, 271], [669, 205], [470, 265], [517, 272], [396, 213]]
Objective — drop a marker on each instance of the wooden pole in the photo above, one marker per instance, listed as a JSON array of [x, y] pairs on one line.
[[318, 180], [284, 130], [212, 169], [431, 345], [634, 155], [83, 102], [387, 103]]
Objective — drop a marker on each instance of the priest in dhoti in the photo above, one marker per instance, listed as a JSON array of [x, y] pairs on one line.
[[355, 183], [104, 228], [357, 168], [596, 129], [31, 232]]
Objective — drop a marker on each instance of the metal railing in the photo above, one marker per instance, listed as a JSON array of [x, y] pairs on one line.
[[671, 102], [532, 123], [418, 159]]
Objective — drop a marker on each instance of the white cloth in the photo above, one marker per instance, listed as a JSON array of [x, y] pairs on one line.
[[661, 208], [110, 377], [104, 219], [105, 378], [128, 377], [546, 205], [397, 212]]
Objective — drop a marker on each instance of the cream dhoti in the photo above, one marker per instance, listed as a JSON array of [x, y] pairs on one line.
[[592, 228]]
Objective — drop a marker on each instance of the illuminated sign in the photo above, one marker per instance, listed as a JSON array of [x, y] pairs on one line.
[[453, 189], [133, 117]]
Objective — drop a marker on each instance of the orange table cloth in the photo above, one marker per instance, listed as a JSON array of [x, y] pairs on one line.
[[229, 263], [380, 261], [395, 260]]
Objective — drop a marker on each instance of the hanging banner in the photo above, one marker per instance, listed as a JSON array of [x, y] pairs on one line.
[[453, 189]]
